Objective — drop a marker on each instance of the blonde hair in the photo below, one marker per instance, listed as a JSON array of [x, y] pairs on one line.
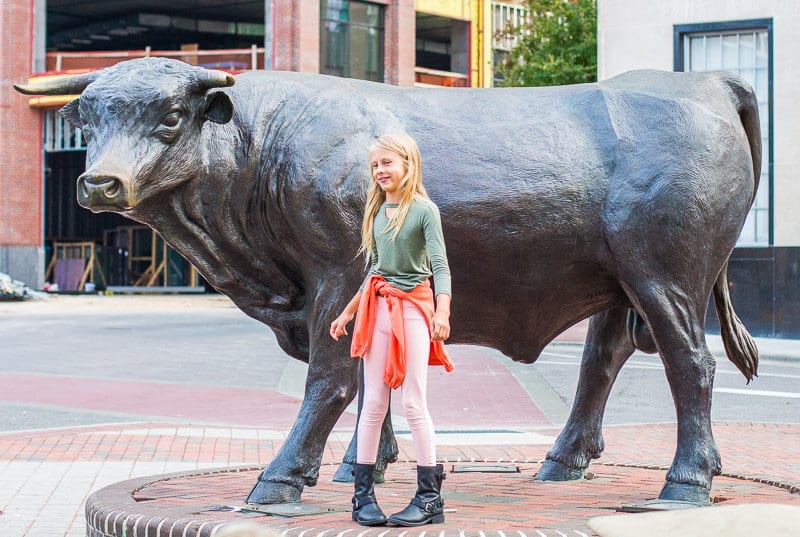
[[410, 187]]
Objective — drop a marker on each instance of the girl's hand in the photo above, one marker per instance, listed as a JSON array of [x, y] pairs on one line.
[[338, 326], [440, 327]]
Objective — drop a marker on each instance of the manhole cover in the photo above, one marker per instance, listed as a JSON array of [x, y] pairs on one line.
[[486, 468], [656, 505], [290, 509]]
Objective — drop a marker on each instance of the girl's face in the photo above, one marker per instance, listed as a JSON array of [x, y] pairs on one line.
[[388, 169]]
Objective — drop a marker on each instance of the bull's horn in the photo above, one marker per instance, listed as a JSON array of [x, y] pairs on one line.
[[212, 78], [68, 85]]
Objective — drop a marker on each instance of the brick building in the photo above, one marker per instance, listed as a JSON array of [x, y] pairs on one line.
[[405, 42]]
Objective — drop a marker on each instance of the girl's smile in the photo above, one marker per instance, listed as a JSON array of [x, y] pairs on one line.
[[388, 170]]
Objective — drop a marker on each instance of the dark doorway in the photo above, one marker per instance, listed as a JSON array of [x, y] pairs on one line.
[[100, 25]]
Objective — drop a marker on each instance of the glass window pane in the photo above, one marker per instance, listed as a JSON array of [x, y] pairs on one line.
[[696, 54], [335, 10], [358, 13], [762, 226], [761, 86], [749, 75], [747, 50], [763, 116], [364, 62], [713, 58], [762, 196], [748, 234], [375, 16], [333, 49], [730, 51], [351, 39], [762, 50]]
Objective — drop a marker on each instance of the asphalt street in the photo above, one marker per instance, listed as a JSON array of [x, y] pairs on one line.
[[206, 342]]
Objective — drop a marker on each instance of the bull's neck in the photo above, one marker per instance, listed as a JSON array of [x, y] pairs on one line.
[[217, 221]]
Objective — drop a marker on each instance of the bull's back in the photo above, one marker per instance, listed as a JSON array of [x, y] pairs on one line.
[[522, 176]]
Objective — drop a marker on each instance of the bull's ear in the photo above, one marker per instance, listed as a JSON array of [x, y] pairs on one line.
[[71, 114], [219, 107]]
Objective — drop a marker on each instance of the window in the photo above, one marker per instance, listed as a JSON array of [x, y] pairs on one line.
[[507, 25], [743, 48], [351, 39]]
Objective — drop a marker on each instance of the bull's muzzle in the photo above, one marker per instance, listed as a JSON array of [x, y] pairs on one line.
[[101, 192]]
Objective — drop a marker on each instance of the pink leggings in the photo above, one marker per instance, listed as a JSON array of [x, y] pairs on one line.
[[413, 390]]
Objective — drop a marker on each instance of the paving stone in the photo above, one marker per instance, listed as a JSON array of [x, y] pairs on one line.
[[744, 520], [74, 466]]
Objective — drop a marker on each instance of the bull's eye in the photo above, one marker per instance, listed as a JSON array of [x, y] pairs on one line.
[[87, 133], [172, 119], [169, 129]]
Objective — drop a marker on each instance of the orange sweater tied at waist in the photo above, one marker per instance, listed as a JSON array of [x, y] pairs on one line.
[[422, 297]]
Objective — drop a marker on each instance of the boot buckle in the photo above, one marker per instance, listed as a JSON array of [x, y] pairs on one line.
[[431, 507]]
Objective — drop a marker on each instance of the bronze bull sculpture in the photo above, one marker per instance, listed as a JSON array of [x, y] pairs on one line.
[[620, 201]]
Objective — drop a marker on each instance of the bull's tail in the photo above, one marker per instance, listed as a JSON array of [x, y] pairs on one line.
[[739, 345], [746, 103]]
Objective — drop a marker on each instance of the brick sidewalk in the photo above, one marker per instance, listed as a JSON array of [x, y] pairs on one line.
[[761, 463]]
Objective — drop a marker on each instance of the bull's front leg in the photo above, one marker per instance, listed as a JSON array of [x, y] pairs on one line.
[[607, 348], [331, 385]]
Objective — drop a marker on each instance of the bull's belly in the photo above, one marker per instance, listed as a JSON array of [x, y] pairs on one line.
[[520, 320]]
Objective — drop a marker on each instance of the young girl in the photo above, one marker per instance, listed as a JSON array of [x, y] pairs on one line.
[[398, 333]]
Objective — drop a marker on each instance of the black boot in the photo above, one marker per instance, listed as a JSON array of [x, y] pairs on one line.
[[427, 506], [366, 510]]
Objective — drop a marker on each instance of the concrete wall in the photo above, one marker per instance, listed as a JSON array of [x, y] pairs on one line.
[[633, 34], [23, 263]]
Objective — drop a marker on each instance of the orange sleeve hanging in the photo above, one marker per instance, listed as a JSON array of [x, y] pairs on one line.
[[422, 297]]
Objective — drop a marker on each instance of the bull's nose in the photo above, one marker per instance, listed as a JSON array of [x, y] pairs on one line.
[[97, 191]]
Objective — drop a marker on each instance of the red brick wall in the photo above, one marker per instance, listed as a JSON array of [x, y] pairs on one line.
[[400, 39], [296, 36], [20, 132]]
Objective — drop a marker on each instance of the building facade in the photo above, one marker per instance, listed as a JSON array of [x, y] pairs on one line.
[[403, 42], [758, 40]]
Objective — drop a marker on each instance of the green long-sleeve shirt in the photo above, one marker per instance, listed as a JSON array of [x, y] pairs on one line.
[[406, 261]]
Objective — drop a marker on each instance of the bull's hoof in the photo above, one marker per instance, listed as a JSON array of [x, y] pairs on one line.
[[345, 474], [555, 471], [682, 492], [269, 492]]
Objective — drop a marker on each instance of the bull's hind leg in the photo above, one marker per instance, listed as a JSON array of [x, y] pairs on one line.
[[675, 317], [387, 448], [607, 348]]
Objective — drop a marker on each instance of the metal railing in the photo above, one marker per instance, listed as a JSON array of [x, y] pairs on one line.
[[231, 59]]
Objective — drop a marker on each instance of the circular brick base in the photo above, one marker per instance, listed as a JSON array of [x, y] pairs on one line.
[[479, 504]]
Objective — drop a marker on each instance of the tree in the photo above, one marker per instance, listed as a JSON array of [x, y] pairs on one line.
[[557, 45]]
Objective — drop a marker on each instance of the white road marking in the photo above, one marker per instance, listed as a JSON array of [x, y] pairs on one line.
[[760, 393], [659, 367]]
